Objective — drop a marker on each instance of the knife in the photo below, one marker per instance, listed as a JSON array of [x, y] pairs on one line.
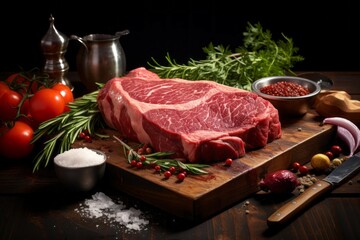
[[340, 173]]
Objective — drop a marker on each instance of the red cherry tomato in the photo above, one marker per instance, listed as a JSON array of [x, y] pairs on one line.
[[29, 121], [66, 92], [9, 103], [15, 142], [46, 104], [20, 83]]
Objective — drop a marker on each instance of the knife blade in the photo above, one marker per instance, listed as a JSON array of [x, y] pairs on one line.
[[335, 178]]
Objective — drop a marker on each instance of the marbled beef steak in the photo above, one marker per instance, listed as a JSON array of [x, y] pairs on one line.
[[200, 121]]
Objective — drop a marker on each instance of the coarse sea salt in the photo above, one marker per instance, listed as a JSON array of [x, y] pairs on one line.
[[79, 157], [102, 206]]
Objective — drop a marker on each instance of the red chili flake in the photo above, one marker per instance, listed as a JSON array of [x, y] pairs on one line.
[[285, 89]]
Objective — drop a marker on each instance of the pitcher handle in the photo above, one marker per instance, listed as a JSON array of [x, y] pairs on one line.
[[122, 33], [74, 37]]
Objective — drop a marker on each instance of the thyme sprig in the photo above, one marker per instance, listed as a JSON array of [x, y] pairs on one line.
[[159, 158], [62, 131], [259, 56]]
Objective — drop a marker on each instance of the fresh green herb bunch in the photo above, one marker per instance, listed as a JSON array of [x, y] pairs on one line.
[[259, 56], [159, 158], [62, 131]]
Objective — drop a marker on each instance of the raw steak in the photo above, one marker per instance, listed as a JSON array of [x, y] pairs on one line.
[[200, 121]]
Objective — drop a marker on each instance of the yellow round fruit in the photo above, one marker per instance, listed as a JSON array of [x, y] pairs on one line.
[[320, 162]]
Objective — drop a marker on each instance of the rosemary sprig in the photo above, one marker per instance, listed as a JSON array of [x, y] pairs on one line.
[[258, 57], [157, 158], [64, 129]]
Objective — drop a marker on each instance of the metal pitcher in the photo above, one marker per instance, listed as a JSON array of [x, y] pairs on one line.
[[100, 58]]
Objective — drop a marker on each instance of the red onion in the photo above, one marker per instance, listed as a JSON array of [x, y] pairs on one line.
[[350, 127], [348, 138], [280, 182]]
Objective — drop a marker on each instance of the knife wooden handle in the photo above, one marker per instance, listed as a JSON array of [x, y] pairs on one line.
[[296, 205]]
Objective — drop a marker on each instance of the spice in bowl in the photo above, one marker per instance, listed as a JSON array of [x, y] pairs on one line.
[[291, 96], [285, 89], [80, 168]]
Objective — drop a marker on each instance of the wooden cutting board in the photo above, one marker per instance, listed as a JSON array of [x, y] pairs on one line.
[[199, 197]]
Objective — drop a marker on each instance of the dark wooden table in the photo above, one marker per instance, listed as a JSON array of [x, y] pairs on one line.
[[37, 206]]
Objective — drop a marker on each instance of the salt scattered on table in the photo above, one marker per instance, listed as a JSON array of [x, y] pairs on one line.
[[79, 157], [102, 206]]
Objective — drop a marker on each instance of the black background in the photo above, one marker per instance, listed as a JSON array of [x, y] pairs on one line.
[[325, 33]]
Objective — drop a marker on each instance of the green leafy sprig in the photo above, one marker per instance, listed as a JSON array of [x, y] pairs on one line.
[[62, 131], [159, 158], [259, 56]]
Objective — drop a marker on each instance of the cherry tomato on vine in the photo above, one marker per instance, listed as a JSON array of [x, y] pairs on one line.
[[9, 103], [29, 121], [45, 104], [66, 92], [21, 84], [15, 141]]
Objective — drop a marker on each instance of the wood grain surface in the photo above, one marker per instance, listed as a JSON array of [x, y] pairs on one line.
[[200, 196]]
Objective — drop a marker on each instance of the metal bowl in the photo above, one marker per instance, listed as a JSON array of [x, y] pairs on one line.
[[288, 106], [80, 178]]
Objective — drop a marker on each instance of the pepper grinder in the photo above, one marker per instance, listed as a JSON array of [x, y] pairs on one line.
[[54, 46]]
